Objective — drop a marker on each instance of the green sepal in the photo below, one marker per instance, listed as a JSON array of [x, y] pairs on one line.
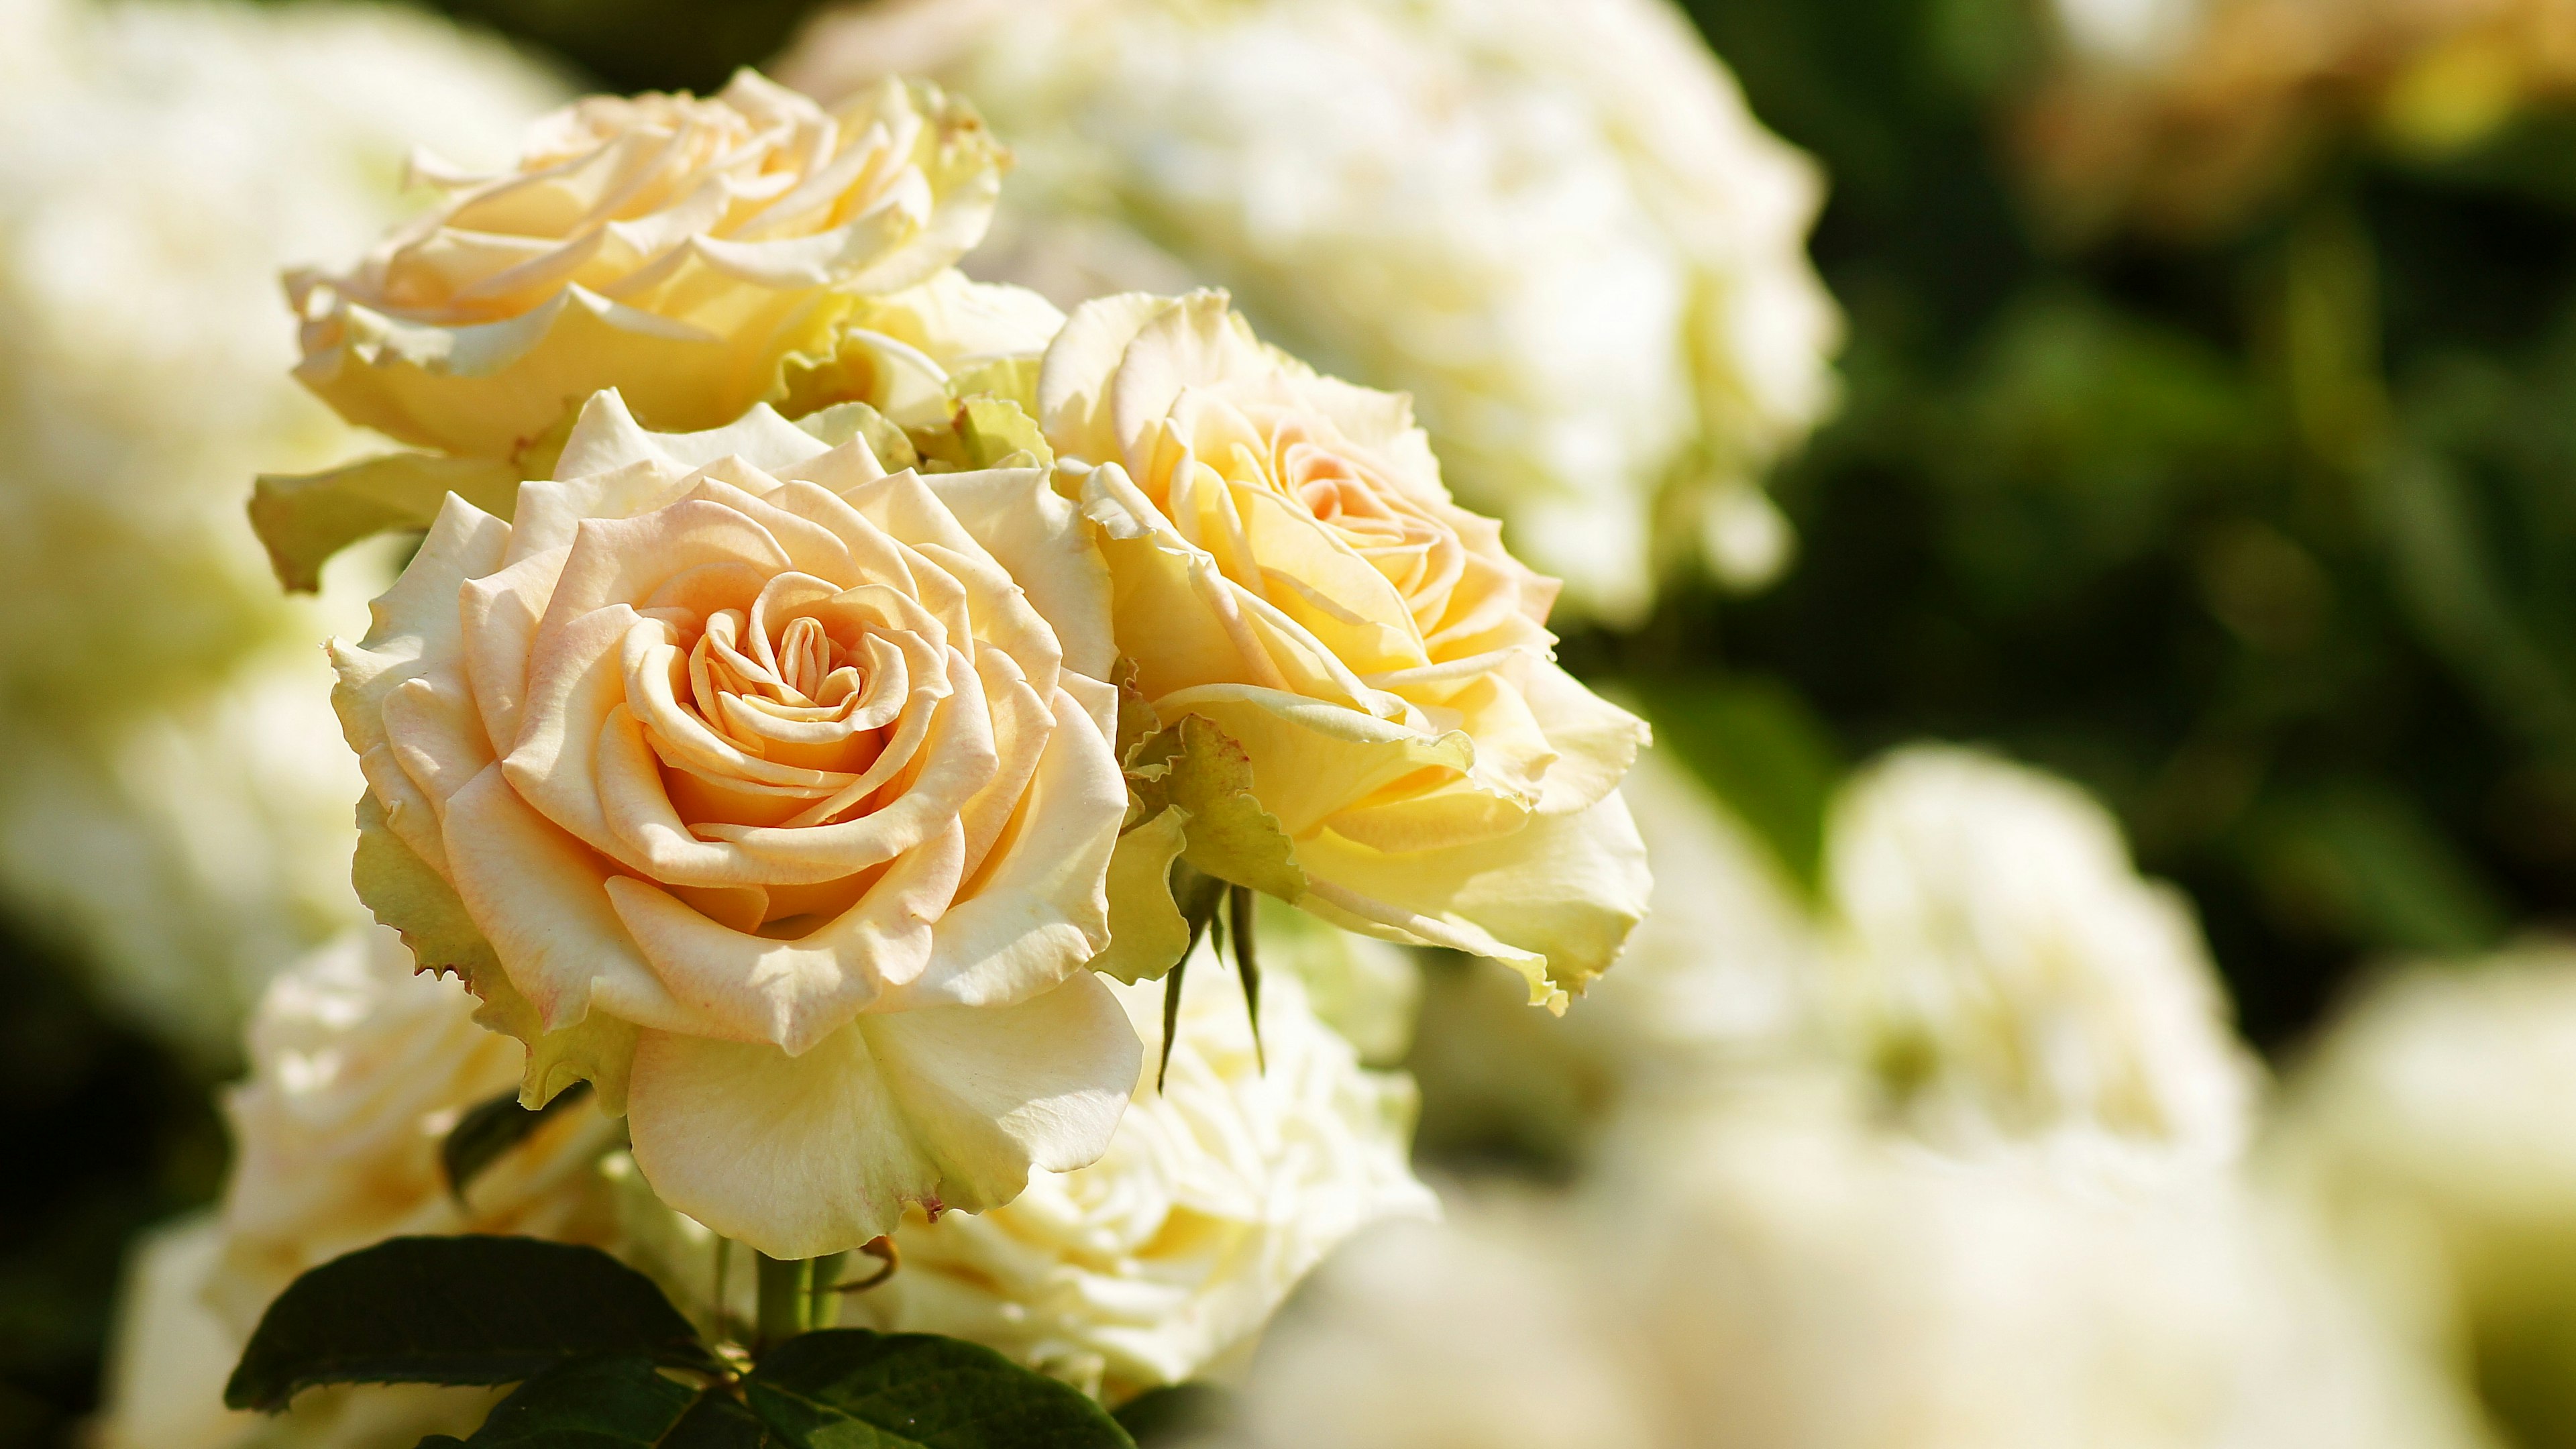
[[1147, 933], [303, 519], [1198, 767], [404, 893]]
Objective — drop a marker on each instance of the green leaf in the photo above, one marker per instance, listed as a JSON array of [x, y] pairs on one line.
[[454, 1310], [1176, 1414], [303, 519], [718, 1422], [1764, 753], [492, 1128], [1198, 767], [848, 1388], [616, 1402]]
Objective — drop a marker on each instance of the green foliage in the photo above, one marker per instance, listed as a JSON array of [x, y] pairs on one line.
[[457, 1310], [492, 1128], [847, 1388], [1175, 1415], [1759, 747], [603, 1361], [602, 1402]]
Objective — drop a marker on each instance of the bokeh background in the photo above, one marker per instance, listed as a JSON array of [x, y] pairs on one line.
[[2200, 431]]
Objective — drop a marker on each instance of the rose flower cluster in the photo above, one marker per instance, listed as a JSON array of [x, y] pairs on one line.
[[824, 676]]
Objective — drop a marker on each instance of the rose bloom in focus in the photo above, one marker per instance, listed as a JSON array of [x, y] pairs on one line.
[[675, 248], [1289, 567], [773, 795]]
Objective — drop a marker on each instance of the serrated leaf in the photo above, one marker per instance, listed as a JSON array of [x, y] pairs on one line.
[[454, 1310], [1147, 933], [1208, 775], [848, 1388], [304, 519], [491, 1129], [615, 1402], [1176, 1414], [718, 1422]]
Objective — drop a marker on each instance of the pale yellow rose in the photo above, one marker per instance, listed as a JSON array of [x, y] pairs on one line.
[[774, 795], [1227, 1183], [358, 1071], [1290, 567], [673, 247]]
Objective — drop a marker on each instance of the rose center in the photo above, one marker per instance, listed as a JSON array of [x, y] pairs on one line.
[[801, 698]]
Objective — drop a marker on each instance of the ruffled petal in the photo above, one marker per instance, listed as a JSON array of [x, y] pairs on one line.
[[814, 1154]]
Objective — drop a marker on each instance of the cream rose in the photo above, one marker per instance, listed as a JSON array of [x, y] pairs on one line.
[[673, 247], [1223, 1188], [1289, 566], [774, 795], [358, 1070]]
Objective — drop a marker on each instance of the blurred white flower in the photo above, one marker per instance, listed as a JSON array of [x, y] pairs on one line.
[[358, 1071], [2430, 1126], [1770, 1272], [1554, 222], [1220, 1192], [2010, 978], [171, 802]]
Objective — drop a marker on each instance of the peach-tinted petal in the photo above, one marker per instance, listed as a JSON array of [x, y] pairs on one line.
[[801, 1156]]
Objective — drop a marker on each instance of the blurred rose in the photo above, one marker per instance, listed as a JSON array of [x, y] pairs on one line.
[[1289, 567], [170, 803], [1219, 1192], [2430, 1126], [674, 248], [1768, 1270], [781, 791], [358, 1070], [2009, 977], [1554, 223]]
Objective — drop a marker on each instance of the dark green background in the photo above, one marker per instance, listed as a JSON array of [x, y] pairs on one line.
[[2265, 539]]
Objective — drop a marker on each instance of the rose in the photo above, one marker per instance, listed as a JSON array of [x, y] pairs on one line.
[[358, 1070], [673, 247], [2012, 979], [1289, 567], [773, 794], [1223, 1187]]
